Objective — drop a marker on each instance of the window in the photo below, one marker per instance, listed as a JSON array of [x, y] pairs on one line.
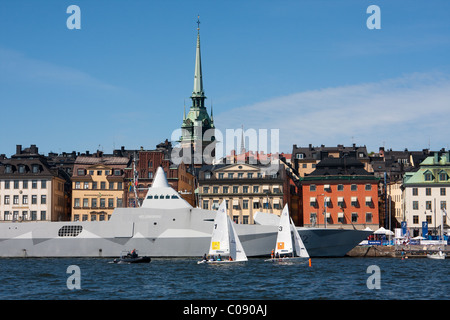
[[250, 175], [111, 186], [225, 189], [77, 185], [245, 220], [94, 202], [428, 191], [34, 199], [86, 185], [117, 172], [76, 202], [340, 187], [354, 187], [35, 168], [25, 184], [230, 176], [6, 184], [444, 205], [255, 189], [34, 184], [245, 204], [81, 172], [110, 202], [354, 217], [443, 176], [245, 189], [312, 187], [15, 199], [368, 187], [415, 219], [220, 175], [207, 175], [43, 215], [43, 199], [240, 175], [106, 172], [354, 202], [235, 189], [44, 184], [442, 191], [415, 205], [16, 184], [368, 217], [299, 155], [205, 189], [6, 201], [429, 220], [313, 218], [215, 189], [85, 203], [415, 191], [99, 172], [102, 203], [428, 205], [103, 185], [428, 176], [24, 199], [256, 205]]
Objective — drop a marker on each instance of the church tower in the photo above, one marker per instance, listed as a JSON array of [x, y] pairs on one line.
[[198, 128]]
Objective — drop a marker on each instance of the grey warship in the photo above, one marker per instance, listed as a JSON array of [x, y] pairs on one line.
[[164, 226]]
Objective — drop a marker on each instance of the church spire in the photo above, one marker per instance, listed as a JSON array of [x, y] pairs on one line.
[[198, 95]]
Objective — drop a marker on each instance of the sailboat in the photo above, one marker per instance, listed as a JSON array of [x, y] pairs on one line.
[[225, 245], [288, 247]]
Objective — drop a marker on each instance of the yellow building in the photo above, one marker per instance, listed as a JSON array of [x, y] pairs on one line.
[[97, 187]]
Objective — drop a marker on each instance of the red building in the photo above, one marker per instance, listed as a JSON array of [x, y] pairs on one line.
[[341, 190]]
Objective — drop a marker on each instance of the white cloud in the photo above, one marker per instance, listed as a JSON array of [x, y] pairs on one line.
[[405, 112]]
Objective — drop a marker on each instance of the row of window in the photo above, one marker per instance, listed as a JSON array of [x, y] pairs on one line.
[[237, 206], [245, 189], [83, 172], [429, 219], [15, 184], [428, 191], [94, 185], [239, 175], [341, 202], [341, 218], [443, 176], [24, 215], [21, 168], [96, 203], [429, 205], [340, 187], [25, 199], [93, 217]]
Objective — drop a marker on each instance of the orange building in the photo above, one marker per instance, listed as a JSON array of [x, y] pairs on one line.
[[340, 193]]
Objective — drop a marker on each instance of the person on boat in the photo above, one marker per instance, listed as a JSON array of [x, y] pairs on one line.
[[212, 258], [271, 254], [134, 254], [219, 258], [230, 258], [205, 258]]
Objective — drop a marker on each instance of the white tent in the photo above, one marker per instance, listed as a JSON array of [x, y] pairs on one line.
[[383, 231]]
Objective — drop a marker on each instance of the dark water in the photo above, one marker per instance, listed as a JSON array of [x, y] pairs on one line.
[[179, 279]]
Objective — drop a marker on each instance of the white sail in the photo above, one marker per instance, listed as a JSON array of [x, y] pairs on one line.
[[300, 249], [237, 252], [220, 239], [284, 237]]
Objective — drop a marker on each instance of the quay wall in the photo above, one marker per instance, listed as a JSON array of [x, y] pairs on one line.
[[411, 251]]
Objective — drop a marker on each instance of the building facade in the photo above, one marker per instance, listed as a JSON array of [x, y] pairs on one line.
[[31, 189], [340, 193], [426, 196], [247, 189], [97, 186]]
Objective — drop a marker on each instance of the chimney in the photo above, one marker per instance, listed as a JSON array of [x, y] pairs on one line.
[[18, 149]]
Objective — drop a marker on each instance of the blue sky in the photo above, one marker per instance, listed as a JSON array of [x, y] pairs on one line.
[[311, 69]]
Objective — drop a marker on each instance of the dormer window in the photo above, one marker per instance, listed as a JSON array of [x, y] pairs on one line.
[[8, 169], [428, 176], [21, 168], [443, 176], [35, 168], [207, 175]]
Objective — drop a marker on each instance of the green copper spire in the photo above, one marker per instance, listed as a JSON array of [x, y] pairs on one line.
[[198, 95]]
